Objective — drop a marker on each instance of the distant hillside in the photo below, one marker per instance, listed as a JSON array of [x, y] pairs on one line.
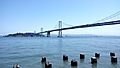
[[24, 35]]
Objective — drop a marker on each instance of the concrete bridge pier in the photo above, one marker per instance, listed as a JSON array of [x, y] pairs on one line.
[[48, 34], [41, 34]]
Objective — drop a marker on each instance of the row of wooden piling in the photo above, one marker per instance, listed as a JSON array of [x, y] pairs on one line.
[[73, 61], [82, 56]]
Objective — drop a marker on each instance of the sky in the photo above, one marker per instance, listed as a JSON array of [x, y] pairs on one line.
[[32, 15]]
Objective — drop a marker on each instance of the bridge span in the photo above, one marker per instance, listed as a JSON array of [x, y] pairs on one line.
[[79, 26]]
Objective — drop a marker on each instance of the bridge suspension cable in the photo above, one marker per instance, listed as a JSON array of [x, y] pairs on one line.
[[109, 17], [101, 20], [67, 24], [56, 26]]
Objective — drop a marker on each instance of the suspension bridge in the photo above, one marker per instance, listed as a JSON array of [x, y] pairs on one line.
[[80, 26], [60, 29]]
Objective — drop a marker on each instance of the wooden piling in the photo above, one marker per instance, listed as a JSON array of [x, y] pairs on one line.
[[65, 58], [93, 60], [97, 55], [73, 62], [82, 56], [48, 65], [43, 59], [114, 59], [112, 54]]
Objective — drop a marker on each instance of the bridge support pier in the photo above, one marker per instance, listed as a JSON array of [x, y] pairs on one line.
[[41, 34], [48, 34], [60, 33], [60, 27]]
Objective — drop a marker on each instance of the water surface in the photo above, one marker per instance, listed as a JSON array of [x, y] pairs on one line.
[[28, 51]]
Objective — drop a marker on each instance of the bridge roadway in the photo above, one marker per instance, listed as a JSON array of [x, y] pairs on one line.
[[84, 26]]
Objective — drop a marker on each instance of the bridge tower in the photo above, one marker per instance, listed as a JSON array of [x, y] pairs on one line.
[[41, 29], [60, 27], [41, 34]]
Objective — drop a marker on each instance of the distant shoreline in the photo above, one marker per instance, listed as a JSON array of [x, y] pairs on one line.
[[24, 35], [54, 35]]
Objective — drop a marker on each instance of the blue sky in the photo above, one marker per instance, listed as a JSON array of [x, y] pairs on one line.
[[31, 15]]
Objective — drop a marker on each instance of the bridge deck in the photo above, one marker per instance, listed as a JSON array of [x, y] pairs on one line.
[[85, 26]]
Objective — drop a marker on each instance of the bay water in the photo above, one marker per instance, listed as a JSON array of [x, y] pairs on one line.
[[28, 51]]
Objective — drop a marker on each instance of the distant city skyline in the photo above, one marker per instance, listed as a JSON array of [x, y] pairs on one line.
[[32, 15]]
